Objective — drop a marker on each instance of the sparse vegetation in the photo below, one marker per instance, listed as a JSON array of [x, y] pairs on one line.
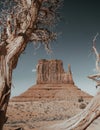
[[80, 99], [82, 106]]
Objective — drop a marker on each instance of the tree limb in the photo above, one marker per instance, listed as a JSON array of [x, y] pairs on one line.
[[18, 20]]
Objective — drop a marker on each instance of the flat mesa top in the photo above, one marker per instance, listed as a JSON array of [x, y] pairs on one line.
[[52, 71]]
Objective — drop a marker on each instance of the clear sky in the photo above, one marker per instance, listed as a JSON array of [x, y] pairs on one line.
[[80, 23]]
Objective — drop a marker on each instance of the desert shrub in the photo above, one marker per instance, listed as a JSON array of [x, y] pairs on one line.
[[80, 99], [19, 128], [82, 106]]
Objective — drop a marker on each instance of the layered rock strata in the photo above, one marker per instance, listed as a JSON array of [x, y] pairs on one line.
[[52, 72], [53, 83]]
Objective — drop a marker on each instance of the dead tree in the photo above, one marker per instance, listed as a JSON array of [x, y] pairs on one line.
[[96, 77], [82, 120], [21, 22]]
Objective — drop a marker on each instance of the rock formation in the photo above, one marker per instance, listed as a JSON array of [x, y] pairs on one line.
[[52, 83], [54, 97], [51, 71]]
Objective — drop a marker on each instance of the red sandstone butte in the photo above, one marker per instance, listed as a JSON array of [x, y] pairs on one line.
[[54, 97], [52, 83]]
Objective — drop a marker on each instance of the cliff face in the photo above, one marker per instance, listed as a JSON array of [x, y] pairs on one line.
[[53, 83], [52, 71]]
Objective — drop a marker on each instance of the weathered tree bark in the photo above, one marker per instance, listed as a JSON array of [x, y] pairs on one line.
[[22, 21], [8, 60]]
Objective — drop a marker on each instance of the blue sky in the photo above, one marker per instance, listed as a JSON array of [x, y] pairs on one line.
[[80, 23]]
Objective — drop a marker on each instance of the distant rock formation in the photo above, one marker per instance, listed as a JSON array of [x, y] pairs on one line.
[[54, 97], [53, 83], [52, 72]]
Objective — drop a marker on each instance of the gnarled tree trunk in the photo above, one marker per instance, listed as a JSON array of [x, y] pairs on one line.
[[4, 90], [8, 60], [22, 21]]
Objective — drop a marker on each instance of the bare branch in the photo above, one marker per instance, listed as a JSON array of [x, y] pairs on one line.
[[43, 36], [96, 77], [9, 29], [95, 38], [96, 53]]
